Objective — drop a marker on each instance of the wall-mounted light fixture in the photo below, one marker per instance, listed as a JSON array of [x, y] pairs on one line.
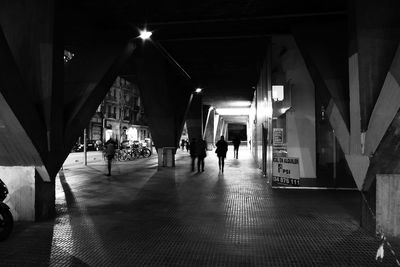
[[68, 56], [198, 90], [277, 92]]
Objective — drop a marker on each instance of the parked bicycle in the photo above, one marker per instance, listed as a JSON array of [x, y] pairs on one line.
[[130, 153], [140, 151]]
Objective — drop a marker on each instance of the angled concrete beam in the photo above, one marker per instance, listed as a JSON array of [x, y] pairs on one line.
[[355, 111], [217, 126], [19, 107], [385, 109], [91, 80], [339, 126], [325, 58], [16, 142], [209, 129], [166, 92], [375, 37], [193, 119]]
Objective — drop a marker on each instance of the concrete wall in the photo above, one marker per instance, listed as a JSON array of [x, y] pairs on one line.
[[388, 204], [300, 119], [20, 182]]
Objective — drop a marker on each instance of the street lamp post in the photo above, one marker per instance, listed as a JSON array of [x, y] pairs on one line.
[[84, 146]]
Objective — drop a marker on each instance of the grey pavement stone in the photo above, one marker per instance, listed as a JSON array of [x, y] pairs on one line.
[[173, 217]]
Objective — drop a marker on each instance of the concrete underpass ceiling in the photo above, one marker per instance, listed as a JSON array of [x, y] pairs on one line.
[[220, 44], [236, 119]]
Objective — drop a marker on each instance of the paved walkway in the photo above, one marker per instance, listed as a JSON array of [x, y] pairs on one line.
[[174, 217]]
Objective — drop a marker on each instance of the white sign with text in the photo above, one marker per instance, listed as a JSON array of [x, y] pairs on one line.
[[285, 171]]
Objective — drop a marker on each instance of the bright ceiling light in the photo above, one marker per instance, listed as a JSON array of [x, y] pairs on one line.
[[233, 111], [198, 90], [240, 104], [144, 35]]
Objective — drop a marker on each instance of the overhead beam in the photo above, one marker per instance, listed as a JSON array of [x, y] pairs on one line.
[[247, 19]]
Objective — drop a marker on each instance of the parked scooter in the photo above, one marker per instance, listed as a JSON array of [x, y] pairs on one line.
[[6, 219]]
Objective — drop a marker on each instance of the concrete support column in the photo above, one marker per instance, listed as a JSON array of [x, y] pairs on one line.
[[374, 54], [167, 93], [45, 197], [388, 204], [225, 130], [166, 156], [219, 128], [209, 130], [194, 118]]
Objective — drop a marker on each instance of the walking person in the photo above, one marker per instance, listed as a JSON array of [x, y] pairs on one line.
[[187, 145], [222, 148], [236, 144], [110, 153], [201, 154], [183, 144], [193, 153]]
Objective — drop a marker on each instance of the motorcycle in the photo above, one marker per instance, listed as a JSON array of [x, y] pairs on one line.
[[6, 219]]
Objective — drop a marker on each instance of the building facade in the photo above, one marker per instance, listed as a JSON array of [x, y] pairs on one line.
[[120, 115]]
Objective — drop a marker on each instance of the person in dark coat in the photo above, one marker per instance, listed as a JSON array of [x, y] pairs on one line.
[[110, 152], [222, 148], [236, 144], [201, 151], [193, 153], [183, 144]]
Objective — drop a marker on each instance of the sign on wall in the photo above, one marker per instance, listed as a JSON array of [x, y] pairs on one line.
[[285, 171], [277, 136]]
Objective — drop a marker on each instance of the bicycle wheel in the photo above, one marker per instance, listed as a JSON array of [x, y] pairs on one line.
[[146, 152], [135, 153]]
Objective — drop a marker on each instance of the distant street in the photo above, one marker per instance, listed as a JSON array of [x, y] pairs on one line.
[[78, 158]]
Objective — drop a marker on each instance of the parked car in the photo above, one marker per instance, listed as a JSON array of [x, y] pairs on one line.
[[77, 147], [91, 145]]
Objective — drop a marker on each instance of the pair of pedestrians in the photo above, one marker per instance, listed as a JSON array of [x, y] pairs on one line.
[[198, 149]]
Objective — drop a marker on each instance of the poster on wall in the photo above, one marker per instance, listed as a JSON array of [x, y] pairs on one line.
[[285, 171], [278, 136]]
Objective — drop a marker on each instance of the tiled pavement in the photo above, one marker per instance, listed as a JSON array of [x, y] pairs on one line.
[[173, 217]]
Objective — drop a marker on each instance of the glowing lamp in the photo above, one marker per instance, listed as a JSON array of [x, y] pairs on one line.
[[277, 92], [144, 35]]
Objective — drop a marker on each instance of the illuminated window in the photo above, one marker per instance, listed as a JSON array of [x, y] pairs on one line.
[[277, 92]]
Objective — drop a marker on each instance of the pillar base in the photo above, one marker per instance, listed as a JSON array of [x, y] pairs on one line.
[[387, 204], [166, 156]]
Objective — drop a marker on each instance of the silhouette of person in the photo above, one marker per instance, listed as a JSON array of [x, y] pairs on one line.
[[201, 150], [193, 153], [110, 152], [236, 144], [183, 144], [222, 148], [187, 145]]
